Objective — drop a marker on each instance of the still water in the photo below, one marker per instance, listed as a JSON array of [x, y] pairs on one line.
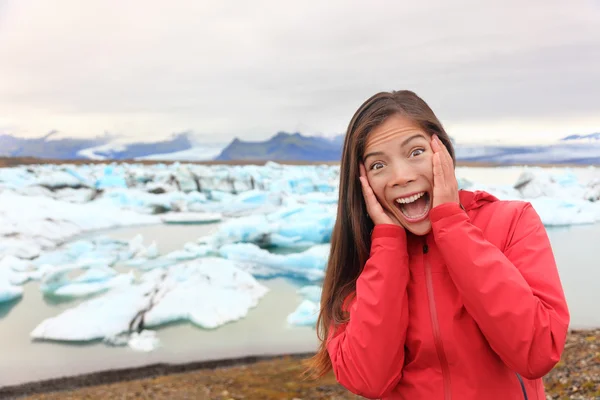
[[263, 331]]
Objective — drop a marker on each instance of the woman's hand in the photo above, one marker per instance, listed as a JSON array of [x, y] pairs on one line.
[[374, 210], [445, 185]]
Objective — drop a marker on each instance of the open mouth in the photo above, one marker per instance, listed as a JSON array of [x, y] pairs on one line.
[[414, 207]]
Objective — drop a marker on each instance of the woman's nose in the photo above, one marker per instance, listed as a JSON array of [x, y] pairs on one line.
[[402, 175]]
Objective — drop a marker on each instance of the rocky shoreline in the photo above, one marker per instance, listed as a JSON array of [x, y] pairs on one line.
[[576, 377]]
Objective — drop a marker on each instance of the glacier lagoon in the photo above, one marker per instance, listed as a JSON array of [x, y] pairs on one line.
[[108, 243]]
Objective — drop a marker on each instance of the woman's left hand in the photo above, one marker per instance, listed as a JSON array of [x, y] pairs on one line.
[[445, 185]]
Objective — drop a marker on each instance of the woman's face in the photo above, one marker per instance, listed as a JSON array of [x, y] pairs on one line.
[[398, 161]]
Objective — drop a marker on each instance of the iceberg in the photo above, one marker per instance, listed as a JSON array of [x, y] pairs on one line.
[[57, 281], [563, 212], [86, 288], [111, 178], [49, 222], [307, 312], [311, 292], [208, 292], [14, 263], [145, 341], [299, 226], [191, 218], [305, 315], [309, 264], [9, 292], [537, 182]]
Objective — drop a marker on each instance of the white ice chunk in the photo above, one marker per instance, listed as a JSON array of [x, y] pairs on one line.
[[208, 292], [112, 178], [539, 182], [9, 292], [557, 212], [309, 264], [191, 218], [145, 341], [86, 288], [311, 292], [305, 315], [14, 263], [71, 280]]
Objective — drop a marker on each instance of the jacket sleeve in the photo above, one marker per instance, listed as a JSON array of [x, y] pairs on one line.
[[367, 352], [515, 296]]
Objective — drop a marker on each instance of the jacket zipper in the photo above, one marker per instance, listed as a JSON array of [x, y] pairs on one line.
[[437, 337]]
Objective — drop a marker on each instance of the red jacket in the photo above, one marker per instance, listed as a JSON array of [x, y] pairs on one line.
[[474, 310]]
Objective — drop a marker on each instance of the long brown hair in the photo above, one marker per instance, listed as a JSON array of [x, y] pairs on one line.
[[351, 236]]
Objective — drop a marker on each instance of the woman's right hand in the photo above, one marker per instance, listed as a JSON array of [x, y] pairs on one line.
[[374, 209]]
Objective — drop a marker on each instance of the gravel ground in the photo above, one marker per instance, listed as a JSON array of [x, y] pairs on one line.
[[576, 377]]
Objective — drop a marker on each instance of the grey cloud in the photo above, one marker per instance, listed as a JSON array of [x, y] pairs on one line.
[[251, 68]]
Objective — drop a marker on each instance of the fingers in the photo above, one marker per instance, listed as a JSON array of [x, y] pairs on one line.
[[435, 144], [366, 188], [444, 158], [370, 198], [363, 171], [438, 170]]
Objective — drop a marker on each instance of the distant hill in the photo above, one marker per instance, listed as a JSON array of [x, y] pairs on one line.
[[592, 137], [187, 146], [120, 151], [52, 146], [284, 147], [47, 146]]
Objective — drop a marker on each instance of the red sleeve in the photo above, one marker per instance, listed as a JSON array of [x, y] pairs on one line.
[[515, 296], [367, 353]]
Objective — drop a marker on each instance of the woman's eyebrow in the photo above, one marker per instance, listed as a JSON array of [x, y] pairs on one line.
[[372, 154], [413, 137]]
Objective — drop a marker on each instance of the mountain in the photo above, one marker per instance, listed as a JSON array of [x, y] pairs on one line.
[[187, 146], [563, 152], [592, 137], [47, 146], [116, 150], [284, 147], [54, 146]]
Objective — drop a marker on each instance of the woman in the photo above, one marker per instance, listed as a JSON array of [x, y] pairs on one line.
[[431, 292]]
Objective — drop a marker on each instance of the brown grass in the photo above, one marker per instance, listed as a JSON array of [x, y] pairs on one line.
[[577, 377]]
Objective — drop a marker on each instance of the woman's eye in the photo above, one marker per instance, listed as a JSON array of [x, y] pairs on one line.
[[377, 165], [417, 152]]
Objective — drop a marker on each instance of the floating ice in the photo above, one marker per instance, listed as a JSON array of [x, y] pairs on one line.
[[111, 179], [299, 226], [305, 315], [309, 264], [311, 292], [537, 182], [307, 312], [14, 263], [42, 207], [86, 288], [557, 212], [145, 341], [48, 222], [208, 292], [9, 292], [54, 179], [64, 281]]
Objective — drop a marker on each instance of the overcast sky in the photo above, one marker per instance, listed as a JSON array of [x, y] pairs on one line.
[[507, 69]]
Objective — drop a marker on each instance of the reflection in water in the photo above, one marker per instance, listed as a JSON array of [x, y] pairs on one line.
[[6, 307], [53, 300]]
